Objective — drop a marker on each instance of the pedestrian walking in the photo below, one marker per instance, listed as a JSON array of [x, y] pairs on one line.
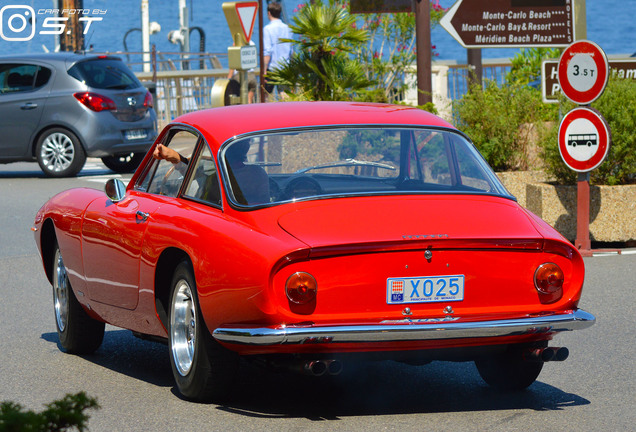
[[275, 52]]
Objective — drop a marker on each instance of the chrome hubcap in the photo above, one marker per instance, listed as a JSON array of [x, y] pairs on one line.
[[57, 152], [60, 292], [183, 325]]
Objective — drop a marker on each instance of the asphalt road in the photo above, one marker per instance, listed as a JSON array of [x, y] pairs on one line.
[[593, 390]]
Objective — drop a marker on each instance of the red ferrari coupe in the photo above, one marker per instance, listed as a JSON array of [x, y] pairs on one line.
[[308, 235]]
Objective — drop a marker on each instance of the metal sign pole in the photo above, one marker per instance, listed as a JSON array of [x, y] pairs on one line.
[[583, 243], [244, 87]]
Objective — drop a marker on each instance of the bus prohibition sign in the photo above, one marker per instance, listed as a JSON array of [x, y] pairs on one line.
[[583, 72], [584, 139]]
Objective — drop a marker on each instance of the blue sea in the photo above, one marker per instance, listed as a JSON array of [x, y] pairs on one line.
[[610, 23]]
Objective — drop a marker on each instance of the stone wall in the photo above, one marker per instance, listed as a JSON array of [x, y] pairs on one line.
[[612, 208]]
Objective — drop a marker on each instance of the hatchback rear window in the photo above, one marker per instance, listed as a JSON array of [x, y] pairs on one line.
[[104, 74]]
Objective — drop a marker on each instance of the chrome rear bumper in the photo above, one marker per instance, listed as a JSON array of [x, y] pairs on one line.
[[406, 330]]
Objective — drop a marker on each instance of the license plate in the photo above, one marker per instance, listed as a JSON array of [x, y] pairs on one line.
[[135, 134], [427, 289]]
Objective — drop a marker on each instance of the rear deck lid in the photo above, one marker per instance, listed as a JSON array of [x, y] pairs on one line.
[[453, 221]]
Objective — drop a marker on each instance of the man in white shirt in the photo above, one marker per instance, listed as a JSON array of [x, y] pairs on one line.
[[275, 53]]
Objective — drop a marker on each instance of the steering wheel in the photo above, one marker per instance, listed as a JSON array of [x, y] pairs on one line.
[[301, 187], [164, 186], [274, 191]]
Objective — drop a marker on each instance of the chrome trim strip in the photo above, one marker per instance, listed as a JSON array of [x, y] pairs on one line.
[[406, 330]]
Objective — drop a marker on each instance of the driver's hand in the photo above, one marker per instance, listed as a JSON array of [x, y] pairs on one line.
[[163, 152]]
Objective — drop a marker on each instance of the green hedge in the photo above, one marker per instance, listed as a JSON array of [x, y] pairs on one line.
[[61, 415], [496, 118], [618, 107]]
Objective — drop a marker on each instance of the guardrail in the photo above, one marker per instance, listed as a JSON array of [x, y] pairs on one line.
[[450, 82], [182, 82], [179, 82], [181, 91]]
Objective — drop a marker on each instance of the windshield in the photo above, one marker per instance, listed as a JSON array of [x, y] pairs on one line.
[[280, 167]]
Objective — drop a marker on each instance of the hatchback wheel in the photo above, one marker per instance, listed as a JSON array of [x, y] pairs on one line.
[[60, 153], [125, 163]]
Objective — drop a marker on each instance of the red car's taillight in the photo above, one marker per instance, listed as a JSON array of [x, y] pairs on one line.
[[149, 101], [95, 101], [301, 288], [548, 280]]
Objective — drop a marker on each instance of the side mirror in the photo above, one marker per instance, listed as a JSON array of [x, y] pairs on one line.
[[115, 190]]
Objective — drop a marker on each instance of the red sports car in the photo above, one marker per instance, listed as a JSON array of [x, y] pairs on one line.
[[309, 235]]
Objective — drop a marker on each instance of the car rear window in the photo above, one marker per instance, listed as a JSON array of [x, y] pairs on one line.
[[109, 74], [308, 164]]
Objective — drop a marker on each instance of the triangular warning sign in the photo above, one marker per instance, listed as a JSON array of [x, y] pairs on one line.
[[246, 12]]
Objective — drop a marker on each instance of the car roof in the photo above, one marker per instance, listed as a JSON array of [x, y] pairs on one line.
[[63, 57], [220, 124]]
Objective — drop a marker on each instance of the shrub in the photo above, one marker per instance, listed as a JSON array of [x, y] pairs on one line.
[[321, 67], [60, 415], [496, 118], [618, 108], [390, 51], [526, 64]]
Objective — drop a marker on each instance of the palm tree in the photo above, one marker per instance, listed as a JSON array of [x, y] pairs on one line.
[[321, 67]]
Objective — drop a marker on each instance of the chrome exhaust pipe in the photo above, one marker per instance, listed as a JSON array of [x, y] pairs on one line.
[[559, 353], [334, 367], [539, 355], [547, 354], [315, 367]]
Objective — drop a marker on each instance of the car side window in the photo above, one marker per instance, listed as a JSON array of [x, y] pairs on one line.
[[16, 78], [204, 182], [164, 177]]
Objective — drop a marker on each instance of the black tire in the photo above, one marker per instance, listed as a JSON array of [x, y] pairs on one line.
[[509, 370], [203, 370], [125, 163], [59, 153], [78, 333]]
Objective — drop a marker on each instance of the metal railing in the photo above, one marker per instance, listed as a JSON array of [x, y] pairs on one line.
[[179, 82], [179, 92], [450, 82], [182, 82], [492, 70]]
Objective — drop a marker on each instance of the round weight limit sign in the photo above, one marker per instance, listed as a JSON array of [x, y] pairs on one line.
[[584, 139], [583, 72]]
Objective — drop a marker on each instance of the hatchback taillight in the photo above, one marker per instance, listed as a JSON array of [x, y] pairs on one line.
[[96, 102], [149, 101], [548, 280]]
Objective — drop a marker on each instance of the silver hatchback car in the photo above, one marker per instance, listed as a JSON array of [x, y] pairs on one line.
[[61, 108]]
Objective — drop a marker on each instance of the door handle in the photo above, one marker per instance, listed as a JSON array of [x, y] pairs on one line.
[[142, 216], [29, 106]]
